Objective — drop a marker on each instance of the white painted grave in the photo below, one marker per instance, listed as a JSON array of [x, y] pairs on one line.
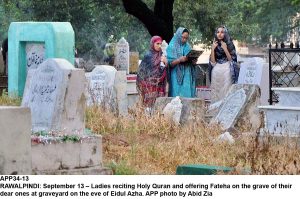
[[101, 85], [255, 71], [239, 109], [231, 107], [55, 95]]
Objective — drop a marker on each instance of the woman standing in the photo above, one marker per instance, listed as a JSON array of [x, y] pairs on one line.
[[223, 64], [151, 76], [181, 79]]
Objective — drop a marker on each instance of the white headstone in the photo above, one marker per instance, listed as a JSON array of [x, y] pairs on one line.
[[231, 108], [55, 95], [101, 85], [122, 55], [173, 110], [239, 109], [255, 71], [35, 55]]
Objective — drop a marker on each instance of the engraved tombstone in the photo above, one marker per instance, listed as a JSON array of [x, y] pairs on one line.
[[239, 110], [35, 55], [122, 55], [255, 71], [100, 88], [55, 95]]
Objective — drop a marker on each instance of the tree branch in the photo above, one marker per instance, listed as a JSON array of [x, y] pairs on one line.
[[154, 21]]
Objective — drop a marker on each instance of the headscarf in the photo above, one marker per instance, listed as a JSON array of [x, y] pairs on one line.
[[221, 57], [150, 65], [177, 49]]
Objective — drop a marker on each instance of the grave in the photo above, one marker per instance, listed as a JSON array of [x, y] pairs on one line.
[[239, 109], [122, 55], [101, 86], [134, 62], [256, 71], [59, 142], [192, 108], [28, 47], [107, 87], [15, 150], [56, 97], [282, 119], [132, 93]]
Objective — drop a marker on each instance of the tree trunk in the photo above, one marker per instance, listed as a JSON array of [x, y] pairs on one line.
[[158, 22]]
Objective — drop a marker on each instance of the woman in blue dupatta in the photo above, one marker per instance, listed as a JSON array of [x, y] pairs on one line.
[[181, 72], [222, 64]]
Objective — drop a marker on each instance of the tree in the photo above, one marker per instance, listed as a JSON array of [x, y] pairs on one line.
[[159, 21]]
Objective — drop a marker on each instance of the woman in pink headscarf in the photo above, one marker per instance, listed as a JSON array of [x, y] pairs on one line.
[[151, 76]]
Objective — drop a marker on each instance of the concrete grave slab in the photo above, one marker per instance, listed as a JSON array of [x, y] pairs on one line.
[[15, 146]]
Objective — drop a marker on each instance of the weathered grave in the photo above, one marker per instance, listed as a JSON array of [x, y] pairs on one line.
[[106, 88], [56, 97], [282, 119], [15, 148], [192, 108], [239, 109], [55, 93], [122, 55], [256, 71], [134, 62]]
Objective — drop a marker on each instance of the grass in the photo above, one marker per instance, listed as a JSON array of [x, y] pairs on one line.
[[153, 145]]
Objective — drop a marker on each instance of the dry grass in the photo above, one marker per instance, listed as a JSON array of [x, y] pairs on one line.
[[6, 100], [152, 145], [140, 144]]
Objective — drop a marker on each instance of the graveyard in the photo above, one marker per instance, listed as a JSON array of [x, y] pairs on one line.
[[62, 114]]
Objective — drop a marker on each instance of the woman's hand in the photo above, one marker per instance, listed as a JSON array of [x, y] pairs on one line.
[[214, 45], [183, 59], [164, 60], [223, 45]]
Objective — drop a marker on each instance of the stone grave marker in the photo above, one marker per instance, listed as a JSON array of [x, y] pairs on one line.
[[107, 87], [239, 109], [192, 108], [28, 42], [255, 71], [56, 97], [122, 55], [15, 148], [134, 62], [101, 85]]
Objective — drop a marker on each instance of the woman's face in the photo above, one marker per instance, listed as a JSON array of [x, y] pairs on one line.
[[220, 33], [157, 46], [184, 37]]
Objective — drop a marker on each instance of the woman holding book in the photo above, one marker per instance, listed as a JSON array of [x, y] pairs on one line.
[[223, 64], [151, 76], [181, 70]]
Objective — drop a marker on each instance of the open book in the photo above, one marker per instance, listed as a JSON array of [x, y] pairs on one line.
[[194, 54]]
